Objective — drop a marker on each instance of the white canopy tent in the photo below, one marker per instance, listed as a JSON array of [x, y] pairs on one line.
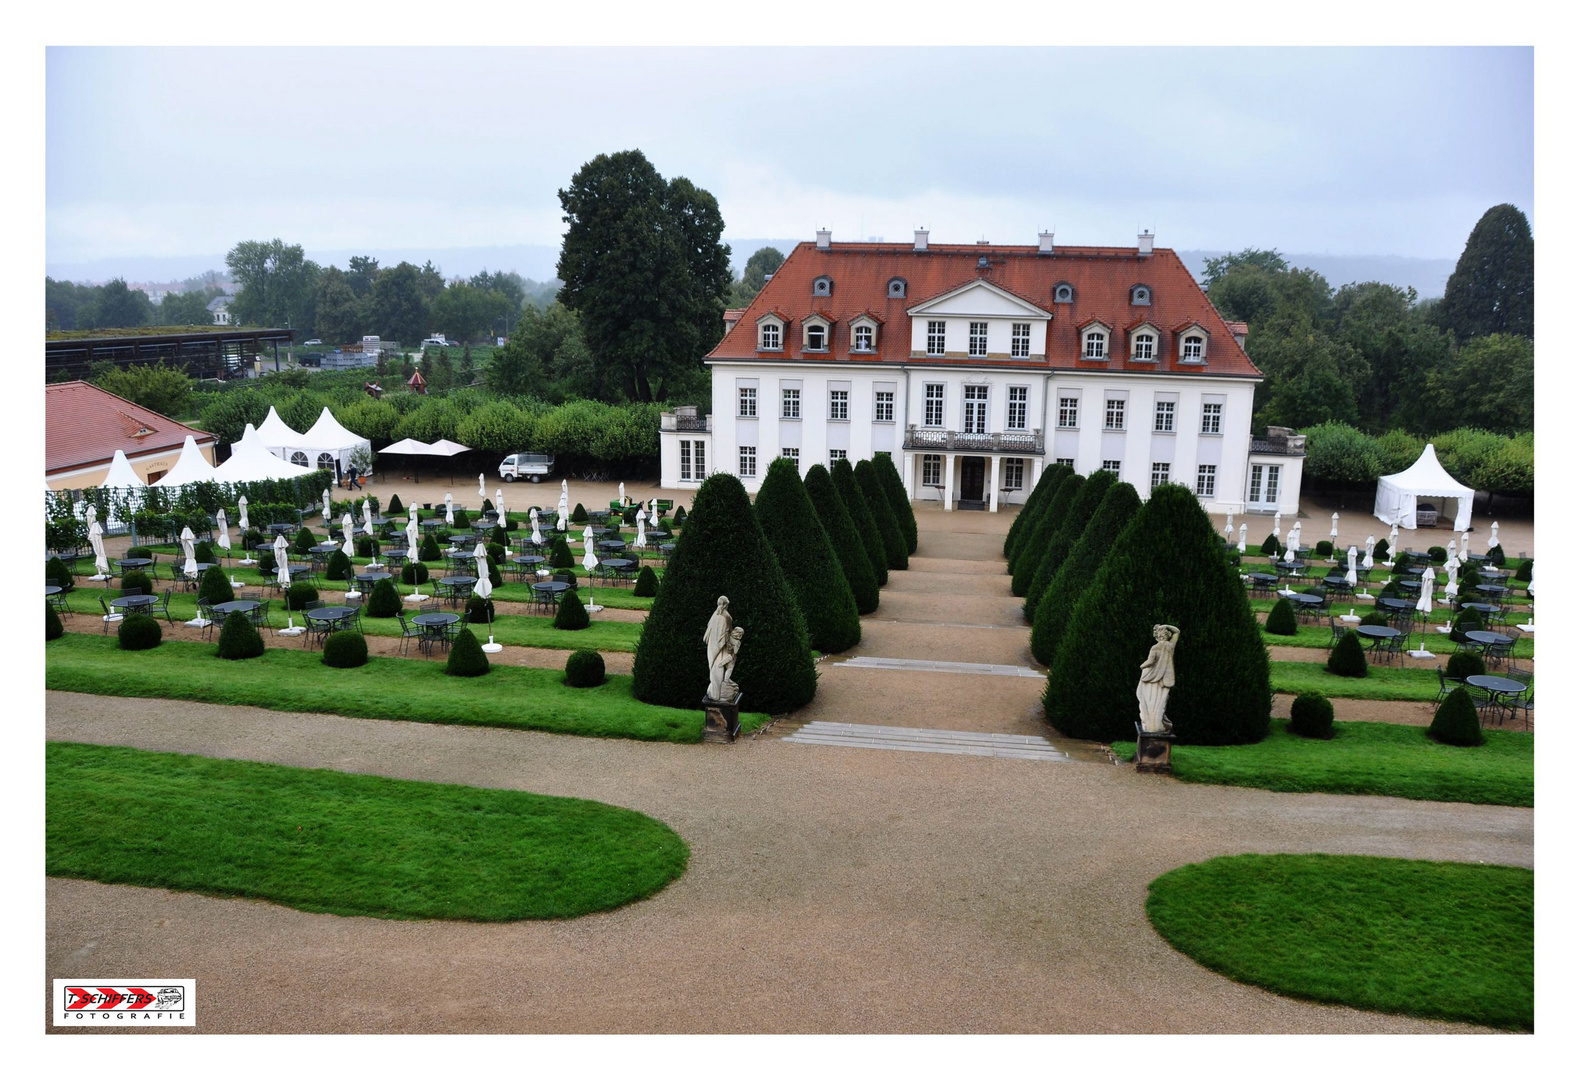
[[416, 448], [277, 434], [121, 474], [325, 445], [1397, 495], [189, 468], [249, 460]]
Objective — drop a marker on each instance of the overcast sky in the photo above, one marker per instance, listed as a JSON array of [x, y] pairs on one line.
[[1347, 151]]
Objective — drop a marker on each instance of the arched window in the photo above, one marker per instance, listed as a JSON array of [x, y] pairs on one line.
[[1096, 345], [298, 458], [897, 288], [1064, 293], [768, 335], [326, 461], [1193, 348]]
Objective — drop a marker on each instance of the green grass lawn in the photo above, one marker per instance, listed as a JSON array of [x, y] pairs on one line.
[[342, 843], [1381, 683], [1439, 940], [1319, 637], [1368, 759], [295, 679]]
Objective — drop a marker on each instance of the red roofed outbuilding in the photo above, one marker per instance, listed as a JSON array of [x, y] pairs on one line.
[[84, 426]]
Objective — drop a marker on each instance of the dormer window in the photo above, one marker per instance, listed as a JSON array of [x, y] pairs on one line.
[[1191, 351], [770, 335], [815, 334], [896, 288], [1064, 293], [1140, 294], [1095, 339], [1143, 346], [863, 335], [823, 285]]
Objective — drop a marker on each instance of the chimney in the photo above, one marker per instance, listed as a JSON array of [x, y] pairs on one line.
[[1045, 243], [1144, 243], [921, 239], [823, 237]]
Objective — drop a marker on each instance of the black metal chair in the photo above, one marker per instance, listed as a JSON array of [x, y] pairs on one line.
[[1498, 652], [205, 610], [162, 606], [260, 616], [407, 631], [109, 616]]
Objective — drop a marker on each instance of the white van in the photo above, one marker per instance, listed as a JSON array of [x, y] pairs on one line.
[[533, 466], [437, 341]]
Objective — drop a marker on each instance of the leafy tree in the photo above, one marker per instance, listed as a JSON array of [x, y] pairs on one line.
[[466, 313], [117, 305], [188, 308], [1269, 261], [277, 284], [1222, 693], [723, 552], [164, 389], [399, 307], [643, 266], [506, 283], [1340, 454], [1490, 382], [894, 546], [763, 262], [1492, 289], [342, 314], [806, 555], [848, 547], [361, 272], [866, 525]]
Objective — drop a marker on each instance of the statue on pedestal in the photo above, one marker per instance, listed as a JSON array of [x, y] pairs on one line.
[[722, 639], [1157, 678]]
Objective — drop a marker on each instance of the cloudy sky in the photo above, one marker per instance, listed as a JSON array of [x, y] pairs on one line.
[[158, 152]]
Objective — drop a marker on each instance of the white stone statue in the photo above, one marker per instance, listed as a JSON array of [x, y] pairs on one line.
[[721, 656], [1157, 678], [721, 687]]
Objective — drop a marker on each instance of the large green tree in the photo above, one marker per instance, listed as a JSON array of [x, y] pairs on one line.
[[341, 312], [277, 285], [764, 261], [399, 309], [1493, 287], [116, 305], [188, 308], [644, 268], [467, 313], [1490, 382]]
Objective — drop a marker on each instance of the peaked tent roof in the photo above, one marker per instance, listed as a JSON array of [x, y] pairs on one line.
[[250, 460], [1428, 477], [327, 433], [121, 474], [276, 433], [189, 468], [448, 448], [408, 446]]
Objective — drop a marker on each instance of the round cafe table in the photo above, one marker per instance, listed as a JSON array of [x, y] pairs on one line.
[[1488, 638], [1392, 603], [1492, 590], [134, 603], [1497, 688], [1378, 633], [611, 545], [52, 590], [280, 528], [134, 564], [433, 625], [372, 577], [232, 606]]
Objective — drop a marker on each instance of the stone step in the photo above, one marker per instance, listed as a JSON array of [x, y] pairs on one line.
[[894, 663], [927, 740]]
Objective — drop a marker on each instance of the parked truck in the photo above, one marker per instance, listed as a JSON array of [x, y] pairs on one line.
[[532, 466]]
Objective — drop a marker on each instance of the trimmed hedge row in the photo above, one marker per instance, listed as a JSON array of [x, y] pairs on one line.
[[806, 556], [841, 527]]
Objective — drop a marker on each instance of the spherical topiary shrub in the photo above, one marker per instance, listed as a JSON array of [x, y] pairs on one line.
[[579, 515], [1380, 551], [806, 555], [56, 573], [584, 668], [238, 638], [1467, 620], [144, 553], [345, 648], [894, 547], [1075, 573], [842, 536], [139, 631], [1270, 545], [571, 613], [413, 573], [1456, 722], [1437, 555], [395, 507], [337, 566], [723, 552], [1348, 658], [1062, 540], [1281, 620], [52, 627], [479, 610], [1462, 665], [560, 554], [214, 587], [137, 579], [899, 502], [1311, 716], [1324, 549], [496, 553], [428, 551], [299, 595], [383, 600], [1527, 568], [1495, 555], [467, 658], [647, 583], [304, 541]]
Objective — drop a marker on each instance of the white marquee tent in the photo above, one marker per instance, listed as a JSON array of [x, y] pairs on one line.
[[121, 474], [277, 434], [189, 468], [1398, 495], [325, 445], [250, 461]]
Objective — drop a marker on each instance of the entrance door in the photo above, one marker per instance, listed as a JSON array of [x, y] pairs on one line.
[[972, 471], [1263, 491]]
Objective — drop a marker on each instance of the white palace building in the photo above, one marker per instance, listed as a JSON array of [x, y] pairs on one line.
[[974, 365]]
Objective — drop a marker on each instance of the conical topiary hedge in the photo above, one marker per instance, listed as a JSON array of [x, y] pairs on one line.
[[842, 535], [383, 601], [395, 508], [1032, 516], [806, 556], [571, 613], [1456, 723], [467, 658], [560, 553], [1348, 657], [723, 552], [304, 541], [579, 515], [1222, 694], [894, 548], [428, 550], [338, 567], [1119, 505], [1281, 620], [646, 583], [860, 513], [1047, 483], [52, 627], [57, 573], [238, 638], [1087, 500], [1270, 545], [899, 502], [1041, 534], [214, 587]]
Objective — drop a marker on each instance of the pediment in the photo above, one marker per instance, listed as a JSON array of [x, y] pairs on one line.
[[981, 299]]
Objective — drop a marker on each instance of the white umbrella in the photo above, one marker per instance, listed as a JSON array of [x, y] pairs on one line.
[[327, 511], [641, 531], [1367, 562], [589, 560], [1230, 521], [537, 535], [1228, 534], [1333, 534], [347, 528], [499, 504], [1424, 606], [565, 489], [1292, 543], [367, 517], [412, 543], [587, 533], [1296, 531], [1453, 551], [1278, 523], [101, 561], [560, 523], [1464, 542], [482, 490], [622, 493], [449, 510], [282, 562], [241, 516], [1493, 541], [1242, 538], [1393, 541], [1351, 576], [652, 512], [1451, 591], [189, 567], [223, 527]]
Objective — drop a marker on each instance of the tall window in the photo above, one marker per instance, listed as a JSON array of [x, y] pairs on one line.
[[1096, 345], [1272, 482], [1067, 461], [793, 453], [748, 461], [976, 409], [1255, 495], [1211, 418], [1109, 465], [1206, 479], [1014, 474], [748, 401], [836, 455], [790, 404], [1163, 420], [932, 469], [685, 459], [883, 406], [817, 337], [1144, 344], [978, 342], [861, 338], [933, 405], [1069, 412], [935, 337], [770, 336], [1020, 339], [1160, 474], [839, 404], [1193, 348], [1016, 420], [1264, 477], [1114, 415], [700, 450]]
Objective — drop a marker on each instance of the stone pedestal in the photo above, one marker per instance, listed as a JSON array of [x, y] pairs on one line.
[[1153, 750], [721, 720]]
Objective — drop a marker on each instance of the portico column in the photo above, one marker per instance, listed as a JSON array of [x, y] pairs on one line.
[[993, 486], [949, 481]]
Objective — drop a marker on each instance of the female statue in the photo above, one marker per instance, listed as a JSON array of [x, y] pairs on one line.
[[717, 636], [1157, 678]]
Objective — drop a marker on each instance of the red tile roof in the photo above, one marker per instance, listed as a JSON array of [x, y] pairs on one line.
[[1101, 277], [84, 426]]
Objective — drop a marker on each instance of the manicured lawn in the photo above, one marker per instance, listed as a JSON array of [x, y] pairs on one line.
[[1369, 759], [1439, 940], [1381, 683], [294, 679], [1310, 636], [342, 843]]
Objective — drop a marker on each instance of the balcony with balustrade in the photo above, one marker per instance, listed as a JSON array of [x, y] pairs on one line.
[[934, 440]]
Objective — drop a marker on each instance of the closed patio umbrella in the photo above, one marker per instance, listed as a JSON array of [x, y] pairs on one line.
[[565, 490], [101, 561], [449, 510], [1333, 533], [1296, 533], [241, 514], [222, 526], [347, 528], [1393, 541], [367, 517], [1453, 550], [537, 535], [282, 562], [1242, 538], [327, 512], [589, 560], [1350, 575], [560, 523], [1367, 561], [484, 589], [1424, 606], [1229, 521], [652, 512], [1451, 591], [1493, 541], [1464, 542], [622, 493], [1278, 523], [641, 531], [189, 567], [482, 489], [499, 504]]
